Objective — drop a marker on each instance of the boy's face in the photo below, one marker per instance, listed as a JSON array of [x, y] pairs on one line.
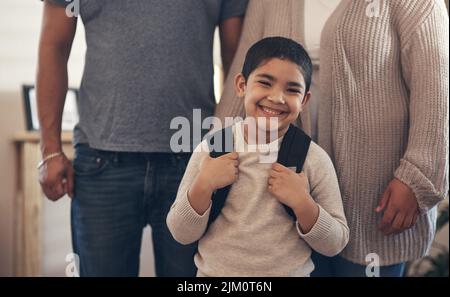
[[276, 89]]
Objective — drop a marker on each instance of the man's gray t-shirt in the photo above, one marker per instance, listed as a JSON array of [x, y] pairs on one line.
[[147, 62]]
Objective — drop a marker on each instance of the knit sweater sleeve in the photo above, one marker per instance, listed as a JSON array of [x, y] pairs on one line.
[[184, 223], [425, 65], [330, 233], [230, 105]]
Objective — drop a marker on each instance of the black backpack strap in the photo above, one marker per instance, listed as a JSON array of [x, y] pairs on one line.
[[293, 151], [225, 136]]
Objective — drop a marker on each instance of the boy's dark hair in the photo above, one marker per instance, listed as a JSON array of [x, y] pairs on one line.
[[281, 48]]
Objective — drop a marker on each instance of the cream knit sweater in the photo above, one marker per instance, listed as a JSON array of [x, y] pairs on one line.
[[384, 109], [384, 114]]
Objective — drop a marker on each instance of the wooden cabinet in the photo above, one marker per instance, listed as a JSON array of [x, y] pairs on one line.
[[28, 231]]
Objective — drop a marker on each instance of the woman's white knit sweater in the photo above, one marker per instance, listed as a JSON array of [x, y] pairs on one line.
[[384, 108]]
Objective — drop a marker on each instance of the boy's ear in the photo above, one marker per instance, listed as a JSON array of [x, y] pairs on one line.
[[306, 99], [240, 84]]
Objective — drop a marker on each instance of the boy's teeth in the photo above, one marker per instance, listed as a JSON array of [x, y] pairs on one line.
[[271, 111]]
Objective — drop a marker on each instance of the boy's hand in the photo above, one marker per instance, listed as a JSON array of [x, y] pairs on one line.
[[292, 190], [400, 208], [219, 172], [287, 186]]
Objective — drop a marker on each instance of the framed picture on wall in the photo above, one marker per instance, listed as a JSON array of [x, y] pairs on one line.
[[70, 113]]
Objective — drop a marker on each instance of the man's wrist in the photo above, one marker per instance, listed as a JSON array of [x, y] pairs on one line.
[[49, 157], [47, 149]]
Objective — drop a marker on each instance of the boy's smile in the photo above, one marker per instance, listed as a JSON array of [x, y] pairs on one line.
[[275, 91]]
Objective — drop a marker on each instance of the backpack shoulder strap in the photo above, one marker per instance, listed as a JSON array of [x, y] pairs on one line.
[[220, 143], [293, 151]]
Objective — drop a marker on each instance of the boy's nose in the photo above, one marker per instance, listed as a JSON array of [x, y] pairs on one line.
[[276, 99]]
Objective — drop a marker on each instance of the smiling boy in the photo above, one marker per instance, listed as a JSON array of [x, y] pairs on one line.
[[254, 235]]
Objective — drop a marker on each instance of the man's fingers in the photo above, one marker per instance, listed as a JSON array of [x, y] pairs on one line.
[[384, 200], [55, 191], [70, 181]]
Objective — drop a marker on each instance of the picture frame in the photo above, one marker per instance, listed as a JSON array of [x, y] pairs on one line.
[[70, 114]]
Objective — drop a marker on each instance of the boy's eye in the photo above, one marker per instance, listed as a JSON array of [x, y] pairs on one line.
[[265, 83], [297, 91]]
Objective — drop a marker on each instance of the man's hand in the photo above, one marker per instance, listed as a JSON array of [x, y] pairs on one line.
[[219, 172], [56, 177], [400, 208], [230, 33]]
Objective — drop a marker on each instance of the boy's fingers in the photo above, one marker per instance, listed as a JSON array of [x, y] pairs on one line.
[[274, 173], [233, 155], [303, 176], [278, 167]]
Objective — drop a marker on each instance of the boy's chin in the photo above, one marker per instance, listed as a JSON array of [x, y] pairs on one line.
[[265, 124]]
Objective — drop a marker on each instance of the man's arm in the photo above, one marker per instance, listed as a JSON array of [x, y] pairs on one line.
[[57, 34], [230, 32]]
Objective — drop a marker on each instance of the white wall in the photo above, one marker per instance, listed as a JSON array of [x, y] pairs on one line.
[[19, 35]]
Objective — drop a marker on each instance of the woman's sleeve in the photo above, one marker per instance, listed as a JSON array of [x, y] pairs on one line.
[[425, 66]]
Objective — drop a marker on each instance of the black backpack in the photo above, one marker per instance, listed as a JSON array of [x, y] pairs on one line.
[[292, 153]]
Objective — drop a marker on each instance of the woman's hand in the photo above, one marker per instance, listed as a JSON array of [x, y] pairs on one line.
[[400, 208]]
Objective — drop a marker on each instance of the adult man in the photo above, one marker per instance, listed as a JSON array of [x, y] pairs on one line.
[[147, 61]]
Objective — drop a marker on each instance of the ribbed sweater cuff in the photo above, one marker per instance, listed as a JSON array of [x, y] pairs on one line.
[[423, 189], [185, 210], [320, 230]]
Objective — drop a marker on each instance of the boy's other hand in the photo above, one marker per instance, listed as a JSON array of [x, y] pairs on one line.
[[220, 172], [289, 187], [400, 208]]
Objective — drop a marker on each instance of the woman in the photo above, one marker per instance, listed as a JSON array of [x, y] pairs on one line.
[[383, 120], [300, 20]]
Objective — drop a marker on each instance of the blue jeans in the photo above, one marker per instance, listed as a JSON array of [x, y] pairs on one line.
[[116, 195], [339, 267]]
